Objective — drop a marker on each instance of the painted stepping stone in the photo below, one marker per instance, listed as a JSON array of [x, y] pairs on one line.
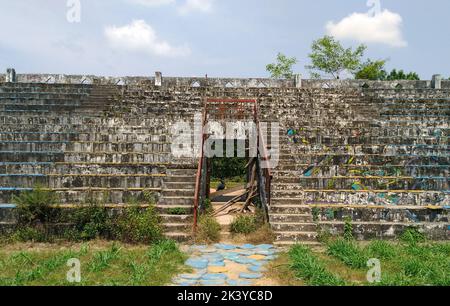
[[217, 270], [247, 247], [208, 250], [245, 252], [191, 276], [214, 276], [243, 261], [257, 257], [265, 252], [259, 263], [225, 247], [230, 256], [197, 263], [257, 269], [185, 282], [216, 282], [213, 257], [217, 264], [265, 246], [239, 282], [250, 275]]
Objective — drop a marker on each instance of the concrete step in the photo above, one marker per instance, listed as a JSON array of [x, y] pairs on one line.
[[290, 218], [293, 227], [178, 193], [287, 209], [295, 236]]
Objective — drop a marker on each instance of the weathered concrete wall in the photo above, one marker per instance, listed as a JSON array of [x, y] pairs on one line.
[[355, 147]]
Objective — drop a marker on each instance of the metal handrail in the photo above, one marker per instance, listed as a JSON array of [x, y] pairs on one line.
[[199, 172]]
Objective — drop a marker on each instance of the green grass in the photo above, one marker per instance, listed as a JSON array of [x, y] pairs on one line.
[[311, 269], [408, 262], [101, 264]]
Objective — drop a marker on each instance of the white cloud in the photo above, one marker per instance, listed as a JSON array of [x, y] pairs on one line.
[[189, 6], [153, 3], [141, 37], [382, 28]]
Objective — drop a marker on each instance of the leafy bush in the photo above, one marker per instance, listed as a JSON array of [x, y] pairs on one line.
[[178, 211], [29, 233], [89, 222], [208, 229], [36, 206], [348, 229], [136, 225], [244, 224]]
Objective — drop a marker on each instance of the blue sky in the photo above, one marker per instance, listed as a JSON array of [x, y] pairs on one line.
[[227, 38]]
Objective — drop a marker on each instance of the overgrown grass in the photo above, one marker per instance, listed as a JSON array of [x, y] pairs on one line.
[[101, 264], [208, 230], [309, 268], [410, 262]]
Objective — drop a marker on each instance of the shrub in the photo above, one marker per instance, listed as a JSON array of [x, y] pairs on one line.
[[244, 224], [178, 211], [137, 225], [29, 233], [208, 229], [348, 229], [89, 222], [35, 206]]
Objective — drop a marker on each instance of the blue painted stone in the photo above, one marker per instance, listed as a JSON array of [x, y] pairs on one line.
[[259, 263], [217, 264], [265, 246], [197, 263], [257, 269], [247, 247], [213, 257], [185, 282], [208, 250], [250, 275], [243, 261], [239, 282], [225, 247], [214, 276], [191, 276], [265, 253], [216, 282], [245, 252], [230, 256]]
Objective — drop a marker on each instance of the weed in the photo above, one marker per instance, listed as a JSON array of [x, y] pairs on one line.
[[102, 259], [381, 249], [348, 252], [244, 224], [348, 229], [208, 229], [311, 269], [412, 236]]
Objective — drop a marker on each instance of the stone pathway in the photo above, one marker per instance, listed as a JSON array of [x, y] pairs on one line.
[[227, 265]]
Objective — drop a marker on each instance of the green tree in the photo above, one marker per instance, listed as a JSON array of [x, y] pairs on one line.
[[282, 68], [401, 75], [330, 57], [372, 70]]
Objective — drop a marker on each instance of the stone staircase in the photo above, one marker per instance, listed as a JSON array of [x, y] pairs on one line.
[[379, 160], [110, 144]]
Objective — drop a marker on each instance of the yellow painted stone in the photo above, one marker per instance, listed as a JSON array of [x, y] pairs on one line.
[[257, 257], [217, 270]]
